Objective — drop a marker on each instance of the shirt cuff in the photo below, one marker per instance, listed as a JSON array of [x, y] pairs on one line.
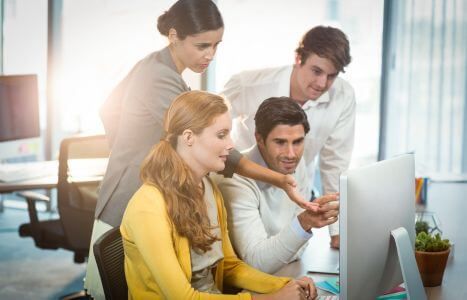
[[298, 229], [334, 228]]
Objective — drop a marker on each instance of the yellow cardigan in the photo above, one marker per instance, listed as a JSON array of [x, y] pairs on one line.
[[157, 259]]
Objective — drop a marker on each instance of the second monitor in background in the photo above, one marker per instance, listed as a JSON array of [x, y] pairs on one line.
[[19, 107]]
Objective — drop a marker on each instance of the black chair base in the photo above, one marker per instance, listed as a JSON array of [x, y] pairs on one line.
[[50, 236]]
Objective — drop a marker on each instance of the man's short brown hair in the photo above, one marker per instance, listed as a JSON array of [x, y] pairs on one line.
[[326, 42], [279, 111]]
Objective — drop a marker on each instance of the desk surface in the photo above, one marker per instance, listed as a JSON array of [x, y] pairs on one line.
[[448, 201], [318, 253], [49, 182], [83, 171]]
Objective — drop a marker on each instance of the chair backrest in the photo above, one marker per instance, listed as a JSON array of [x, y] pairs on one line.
[[76, 203], [108, 251]]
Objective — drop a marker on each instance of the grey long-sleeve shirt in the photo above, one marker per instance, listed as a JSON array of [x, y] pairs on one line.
[[133, 118]]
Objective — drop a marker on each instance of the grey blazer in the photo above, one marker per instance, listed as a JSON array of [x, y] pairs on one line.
[[133, 120]]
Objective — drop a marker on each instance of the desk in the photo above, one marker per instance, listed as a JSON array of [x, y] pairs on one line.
[[318, 252], [83, 172], [48, 182], [449, 202]]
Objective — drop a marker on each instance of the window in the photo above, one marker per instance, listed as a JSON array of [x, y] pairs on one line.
[[100, 42], [25, 52], [424, 104]]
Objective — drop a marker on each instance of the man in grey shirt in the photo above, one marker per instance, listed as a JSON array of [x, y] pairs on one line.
[[266, 228]]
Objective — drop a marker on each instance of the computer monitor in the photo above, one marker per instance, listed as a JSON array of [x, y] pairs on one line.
[[374, 201], [19, 107]]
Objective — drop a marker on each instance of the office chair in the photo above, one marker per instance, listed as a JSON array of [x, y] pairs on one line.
[[108, 250], [76, 203]]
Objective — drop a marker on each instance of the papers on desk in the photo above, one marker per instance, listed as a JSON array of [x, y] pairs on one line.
[[393, 296], [396, 293], [331, 285], [12, 172], [324, 269]]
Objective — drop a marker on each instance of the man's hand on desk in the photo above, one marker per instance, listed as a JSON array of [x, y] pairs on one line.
[[327, 214], [335, 241]]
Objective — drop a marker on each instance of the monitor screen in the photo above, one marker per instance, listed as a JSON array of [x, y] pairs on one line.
[[19, 107], [374, 201]]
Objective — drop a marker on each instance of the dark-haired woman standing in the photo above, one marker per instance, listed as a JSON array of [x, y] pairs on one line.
[[134, 112]]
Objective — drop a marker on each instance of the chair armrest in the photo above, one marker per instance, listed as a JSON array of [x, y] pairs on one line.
[[31, 198]]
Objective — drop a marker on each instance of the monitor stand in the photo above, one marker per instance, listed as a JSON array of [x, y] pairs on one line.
[[409, 269]]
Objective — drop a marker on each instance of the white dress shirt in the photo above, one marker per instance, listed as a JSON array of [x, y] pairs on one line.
[[331, 118], [263, 224]]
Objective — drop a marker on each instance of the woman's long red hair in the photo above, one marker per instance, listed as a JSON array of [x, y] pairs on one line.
[[165, 169]]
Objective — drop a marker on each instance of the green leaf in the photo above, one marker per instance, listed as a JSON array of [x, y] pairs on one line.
[[431, 243]]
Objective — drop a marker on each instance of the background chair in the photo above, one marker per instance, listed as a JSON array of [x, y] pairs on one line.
[[108, 250], [75, 202]]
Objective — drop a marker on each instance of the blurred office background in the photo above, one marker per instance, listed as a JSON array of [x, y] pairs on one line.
[[409, 62], [408, 65]]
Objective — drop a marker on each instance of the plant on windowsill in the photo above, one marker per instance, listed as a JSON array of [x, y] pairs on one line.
[[431, 254]]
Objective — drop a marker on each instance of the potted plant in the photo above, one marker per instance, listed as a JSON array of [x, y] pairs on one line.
[[421, 226], [431, 254]]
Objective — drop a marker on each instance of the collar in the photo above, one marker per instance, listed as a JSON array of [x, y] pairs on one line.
[[283, 87], [312, 103]]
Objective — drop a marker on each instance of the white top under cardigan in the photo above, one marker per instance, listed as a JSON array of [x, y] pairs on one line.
[[202, 263]]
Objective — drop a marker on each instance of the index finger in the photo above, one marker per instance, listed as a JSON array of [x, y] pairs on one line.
[[311, 206], [305, 281], [308, 285], [312, 287], [327, 198]]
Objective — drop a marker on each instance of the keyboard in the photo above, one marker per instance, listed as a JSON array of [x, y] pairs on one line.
[[332, 297], [11, 172]]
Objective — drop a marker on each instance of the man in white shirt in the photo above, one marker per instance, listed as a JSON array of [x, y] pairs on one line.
[[313, 82], [266, 229]]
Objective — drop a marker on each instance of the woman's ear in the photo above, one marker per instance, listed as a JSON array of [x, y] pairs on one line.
[[173, 37], [188, 137]]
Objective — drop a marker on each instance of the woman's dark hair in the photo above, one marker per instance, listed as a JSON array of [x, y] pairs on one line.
[[276, 111], [189, 17]]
